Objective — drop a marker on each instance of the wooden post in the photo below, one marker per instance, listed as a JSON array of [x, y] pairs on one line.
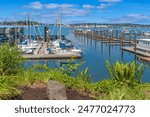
[[102, 34], [116, 34], [120, 36], [140, 34], [130, 38], [112, 35], [46, 34], [135, 43], [109, 39], [107, 34], [122, 39]]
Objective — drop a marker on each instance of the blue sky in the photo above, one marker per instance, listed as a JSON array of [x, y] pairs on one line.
[[77, 11]]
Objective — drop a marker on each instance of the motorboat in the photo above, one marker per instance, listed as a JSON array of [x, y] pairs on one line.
[[75, 50], [3, 38], [146, 34], [47, 50], [29, 46], [125, 31], [29, 51], [62, 43]]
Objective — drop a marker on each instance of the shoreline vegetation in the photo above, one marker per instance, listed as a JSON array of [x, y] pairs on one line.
[[32, 23], [20, 23], [124, 83]]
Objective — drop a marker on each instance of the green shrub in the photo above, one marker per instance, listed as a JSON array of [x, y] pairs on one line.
[[126, 93], [11, 61], [7, 87], [126, 73], [70, 67]]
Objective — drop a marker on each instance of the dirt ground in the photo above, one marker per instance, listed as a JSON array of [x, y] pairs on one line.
[[38, 92]]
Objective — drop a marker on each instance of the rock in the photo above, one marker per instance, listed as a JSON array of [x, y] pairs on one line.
[[56, 90]]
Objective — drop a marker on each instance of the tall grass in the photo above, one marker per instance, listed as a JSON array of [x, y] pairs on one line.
[[11, 61], [10, 64], [7, 87]]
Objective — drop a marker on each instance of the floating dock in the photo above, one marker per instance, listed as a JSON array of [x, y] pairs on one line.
[[41, 54], [127, 41], [138, 52], [104, 37], [147, 59], [52, 56]]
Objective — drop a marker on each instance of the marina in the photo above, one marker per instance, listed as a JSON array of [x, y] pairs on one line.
[[97, 45], [74, 50], [46, 47], [42, 54], [126, 39]]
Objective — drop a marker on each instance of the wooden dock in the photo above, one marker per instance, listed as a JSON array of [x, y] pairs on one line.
[[128, 41], [42, 49], [52, 56], [147, 59], [138, 52], [104, 37]]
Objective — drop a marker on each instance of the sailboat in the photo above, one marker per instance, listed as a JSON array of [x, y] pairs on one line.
[[63, 45], [30, 46]]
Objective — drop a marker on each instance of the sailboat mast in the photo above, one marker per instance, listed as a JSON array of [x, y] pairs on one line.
[[60, 24], [16, 31], [29, 25]]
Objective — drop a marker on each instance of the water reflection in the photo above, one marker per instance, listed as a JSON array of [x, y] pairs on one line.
[[96, 54]]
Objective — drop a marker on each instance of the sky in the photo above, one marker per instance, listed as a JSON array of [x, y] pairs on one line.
[[77, 11]]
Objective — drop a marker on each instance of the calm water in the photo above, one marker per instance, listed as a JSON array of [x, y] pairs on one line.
[[95, 57], [97, 53]]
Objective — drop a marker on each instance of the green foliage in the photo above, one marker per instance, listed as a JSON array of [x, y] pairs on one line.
[[10, 60], [104, 86], [41, 67], [127, 93], [84, 75], [123, 85], [7, 87], [106, 89], [70, 67], [27, 76], [126, 73]]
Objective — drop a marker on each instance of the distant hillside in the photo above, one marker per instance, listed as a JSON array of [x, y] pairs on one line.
[[110, 25], [20, 23]]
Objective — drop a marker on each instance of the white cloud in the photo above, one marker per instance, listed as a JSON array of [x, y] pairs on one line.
[[110, 1], [104, 6], [67, 9], [39, 5], [51, 6], [107, 3], [67, 5], [67, 12], [35, 5], [75, 12], [88, 6], [132, 18], [137, 17]]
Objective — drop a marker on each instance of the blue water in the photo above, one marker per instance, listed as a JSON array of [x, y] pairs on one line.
[[96, 54]]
